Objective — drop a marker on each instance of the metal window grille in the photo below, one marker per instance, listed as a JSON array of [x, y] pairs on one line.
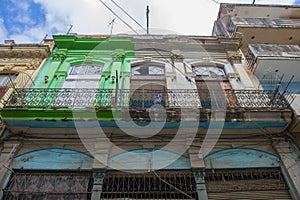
[[158, 185], [49, 185], [233, 180]]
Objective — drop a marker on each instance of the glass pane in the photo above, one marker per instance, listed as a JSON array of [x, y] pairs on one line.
[[136, 71], [78, 70], [155, 70], [6, 79], [215, 71], [201, 71], [209, 72], [94, 70], [148, 69]]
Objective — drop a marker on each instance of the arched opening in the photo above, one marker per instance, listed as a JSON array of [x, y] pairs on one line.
[[137, 181], [243, 173], [53, 173]]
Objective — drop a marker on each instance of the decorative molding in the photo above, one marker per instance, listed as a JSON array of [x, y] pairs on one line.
[[98, 177], [32, 65], [59, 55], [177, 56], [13, 52], [199, 176], [118, 55], [9, 67], [234, 57], [19, 64]]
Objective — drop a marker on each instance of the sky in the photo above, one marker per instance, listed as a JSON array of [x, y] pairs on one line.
[[28, 21]]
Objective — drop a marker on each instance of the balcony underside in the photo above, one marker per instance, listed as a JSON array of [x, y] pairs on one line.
[[173, 118]]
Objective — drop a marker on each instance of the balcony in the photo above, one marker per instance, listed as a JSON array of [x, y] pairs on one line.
[[143, 99], [97, 98], [270, 61], [265, 22], [60, 104]]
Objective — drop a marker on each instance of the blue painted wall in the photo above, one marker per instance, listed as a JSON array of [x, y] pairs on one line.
[[53, 159], [143, 159], [241, 158], [124, 124]]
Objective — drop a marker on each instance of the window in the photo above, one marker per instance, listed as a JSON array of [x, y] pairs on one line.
[[148, 69], [5, 81], [44, 185], [147, 85], [258, 183], [209, 72], [84, 76], [159, 185], [211, 81], [86, 70]]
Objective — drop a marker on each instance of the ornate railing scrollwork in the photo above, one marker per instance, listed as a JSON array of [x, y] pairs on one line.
[[142, 98]]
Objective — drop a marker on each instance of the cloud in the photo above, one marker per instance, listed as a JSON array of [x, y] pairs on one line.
[[85, 15], [3, 32], [193, 17]]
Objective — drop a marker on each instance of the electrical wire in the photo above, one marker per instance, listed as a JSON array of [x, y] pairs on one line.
[[118, 16], [157, 51], [128, 15], [171, 185], [215, 1]]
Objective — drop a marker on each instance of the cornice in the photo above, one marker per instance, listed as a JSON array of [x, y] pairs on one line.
[[26, 51]]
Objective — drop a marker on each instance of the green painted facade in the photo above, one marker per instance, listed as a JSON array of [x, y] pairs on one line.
[[113, 53]]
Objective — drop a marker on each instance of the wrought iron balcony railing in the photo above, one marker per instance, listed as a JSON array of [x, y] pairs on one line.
[[143, 98]]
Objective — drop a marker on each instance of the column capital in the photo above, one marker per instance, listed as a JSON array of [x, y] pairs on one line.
[[59, 55]]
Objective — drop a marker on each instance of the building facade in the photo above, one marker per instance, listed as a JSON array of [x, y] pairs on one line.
[[270, 45], [19, 65], [148, 117]]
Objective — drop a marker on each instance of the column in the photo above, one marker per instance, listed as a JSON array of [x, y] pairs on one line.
[[198, 168], [199, 175], [98, 176]]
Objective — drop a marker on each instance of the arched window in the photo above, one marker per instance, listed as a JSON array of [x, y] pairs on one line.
[[243, 173], [148, 69], [69, 176], [86, 70], [83, 76], [211, 81], [209, 72]]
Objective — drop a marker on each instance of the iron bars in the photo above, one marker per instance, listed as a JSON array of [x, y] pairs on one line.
[[142, 98]]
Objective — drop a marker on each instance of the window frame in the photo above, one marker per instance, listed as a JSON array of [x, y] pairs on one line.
[[210, 76], [148, 75]]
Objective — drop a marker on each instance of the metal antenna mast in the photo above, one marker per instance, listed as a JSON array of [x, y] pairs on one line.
[[71, 26], [147, 15], [111, 24], [44, 38]]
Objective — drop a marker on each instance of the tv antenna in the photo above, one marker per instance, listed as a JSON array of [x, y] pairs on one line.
[[70, 27], [45, 37], [111, 24]]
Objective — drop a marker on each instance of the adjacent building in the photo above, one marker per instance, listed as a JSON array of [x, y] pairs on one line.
[[270, 44]]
